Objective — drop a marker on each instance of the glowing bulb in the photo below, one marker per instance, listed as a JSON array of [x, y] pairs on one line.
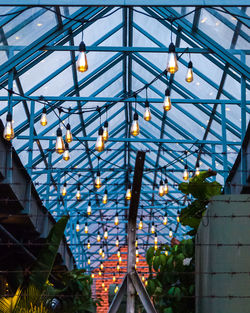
[[172, 65], [116, 219], [60, 148], [146, 283], [99, 145], [120, 260], [156, 239], [89, 262], [153, 228], [106, 234], [78, 193], [166, 186], [128, 193], [101, 266], [100, 273], [43, 120], [88, 244], [178, 216], [103, 285], [185, 173], [161, 189], [98, 183], [100, 250], [105, 131], [106, 289], [89, 209], [105, 197], [8, 132], [116, 289], [165, 219], [135, 129], [117, 241], [118, 253], [136, 252], [140, 226], [189, 76], [64, 190], [155, 247], [77, 226], [82, 63], [137, 260], [167, 101], [147, 114], [143, 278], [197, 171], [166, 252], [136, 242], [103, 254], [92, 275], [68, 135], [66, 155], [86, 230], [118, 266], [114, 278], [170, 233], [98, 238]]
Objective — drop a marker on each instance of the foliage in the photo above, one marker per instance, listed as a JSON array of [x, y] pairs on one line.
[[171, 280], [202, 190], [75, 296]]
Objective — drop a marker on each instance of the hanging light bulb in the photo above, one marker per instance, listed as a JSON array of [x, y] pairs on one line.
[[105, 131], [137, 260], [78, 193], [120, 260], [106, 233], [153, 228], [197, 171], [147, 113], [156, 239], [43, 120], [100, 273], [185, 173], [116, 289], [88, 244], [166, 186], [64, 190], [140, 226], [103, 254], [68, 135], [167, 101], [105, 197], [98, 238], [118, 266], [8, 132], [190, 76], [66, 155], [82, 63], [86, 230], [135, 129], [60, 148], [103, 285], [166, 252], [172, 65], [170, 233], [143, 278], [161, 189], [136, 252], [100, 250], [116, 219], [165, 219], [92, 275], [114, 278], [146, 283], [89, 209], [136, 242], [77, 226], [89, 262], [98, 183], [101, 266], [178, 217], [118, 253], [128, 193], [99, 145], [117, 241]]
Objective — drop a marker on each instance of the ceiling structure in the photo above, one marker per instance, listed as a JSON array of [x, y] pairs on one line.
[[127, 49]]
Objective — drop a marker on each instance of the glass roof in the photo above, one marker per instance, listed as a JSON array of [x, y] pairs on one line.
[[126, 50]]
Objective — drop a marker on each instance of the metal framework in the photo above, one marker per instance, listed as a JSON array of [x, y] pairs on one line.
[[126, 49]]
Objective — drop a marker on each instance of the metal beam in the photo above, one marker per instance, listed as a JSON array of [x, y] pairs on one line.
[[118, 297]]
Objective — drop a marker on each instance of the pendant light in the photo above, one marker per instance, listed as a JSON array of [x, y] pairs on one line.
[[165, 219], [103, 254], [86, 230], [118, 253], [105, 236], [170, 233], [189, 76], [98, 238], [197, 170], [66, 155], [105, 131], [172, 64], [100, 273], [143, 278], [185, 173], [98, 183], [77, 226], [103, 285], [68, 135], [99, 145], [116, 219], [60, 147], [178, 217], [136, 242], [114, 279], [118, 266], [128, 193], [137, 260], [135, 129], [140, 226], [116, 289], [166, 186], [82, 63], [64, 190], [166, 252], [78, 193], [117, 241], [105, 196], [92, 275], [101, 266], [88, 244], [156, 239], [167, 101], [89, 262], [147, 113], [100, 250], [161, 189], [8, 132], [43, 120], [153, 228], [89, 209]]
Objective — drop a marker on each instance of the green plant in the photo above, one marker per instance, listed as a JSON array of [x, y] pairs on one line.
[[202, 190]]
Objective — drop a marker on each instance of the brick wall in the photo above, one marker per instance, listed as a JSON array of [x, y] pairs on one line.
[[108, 271]]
